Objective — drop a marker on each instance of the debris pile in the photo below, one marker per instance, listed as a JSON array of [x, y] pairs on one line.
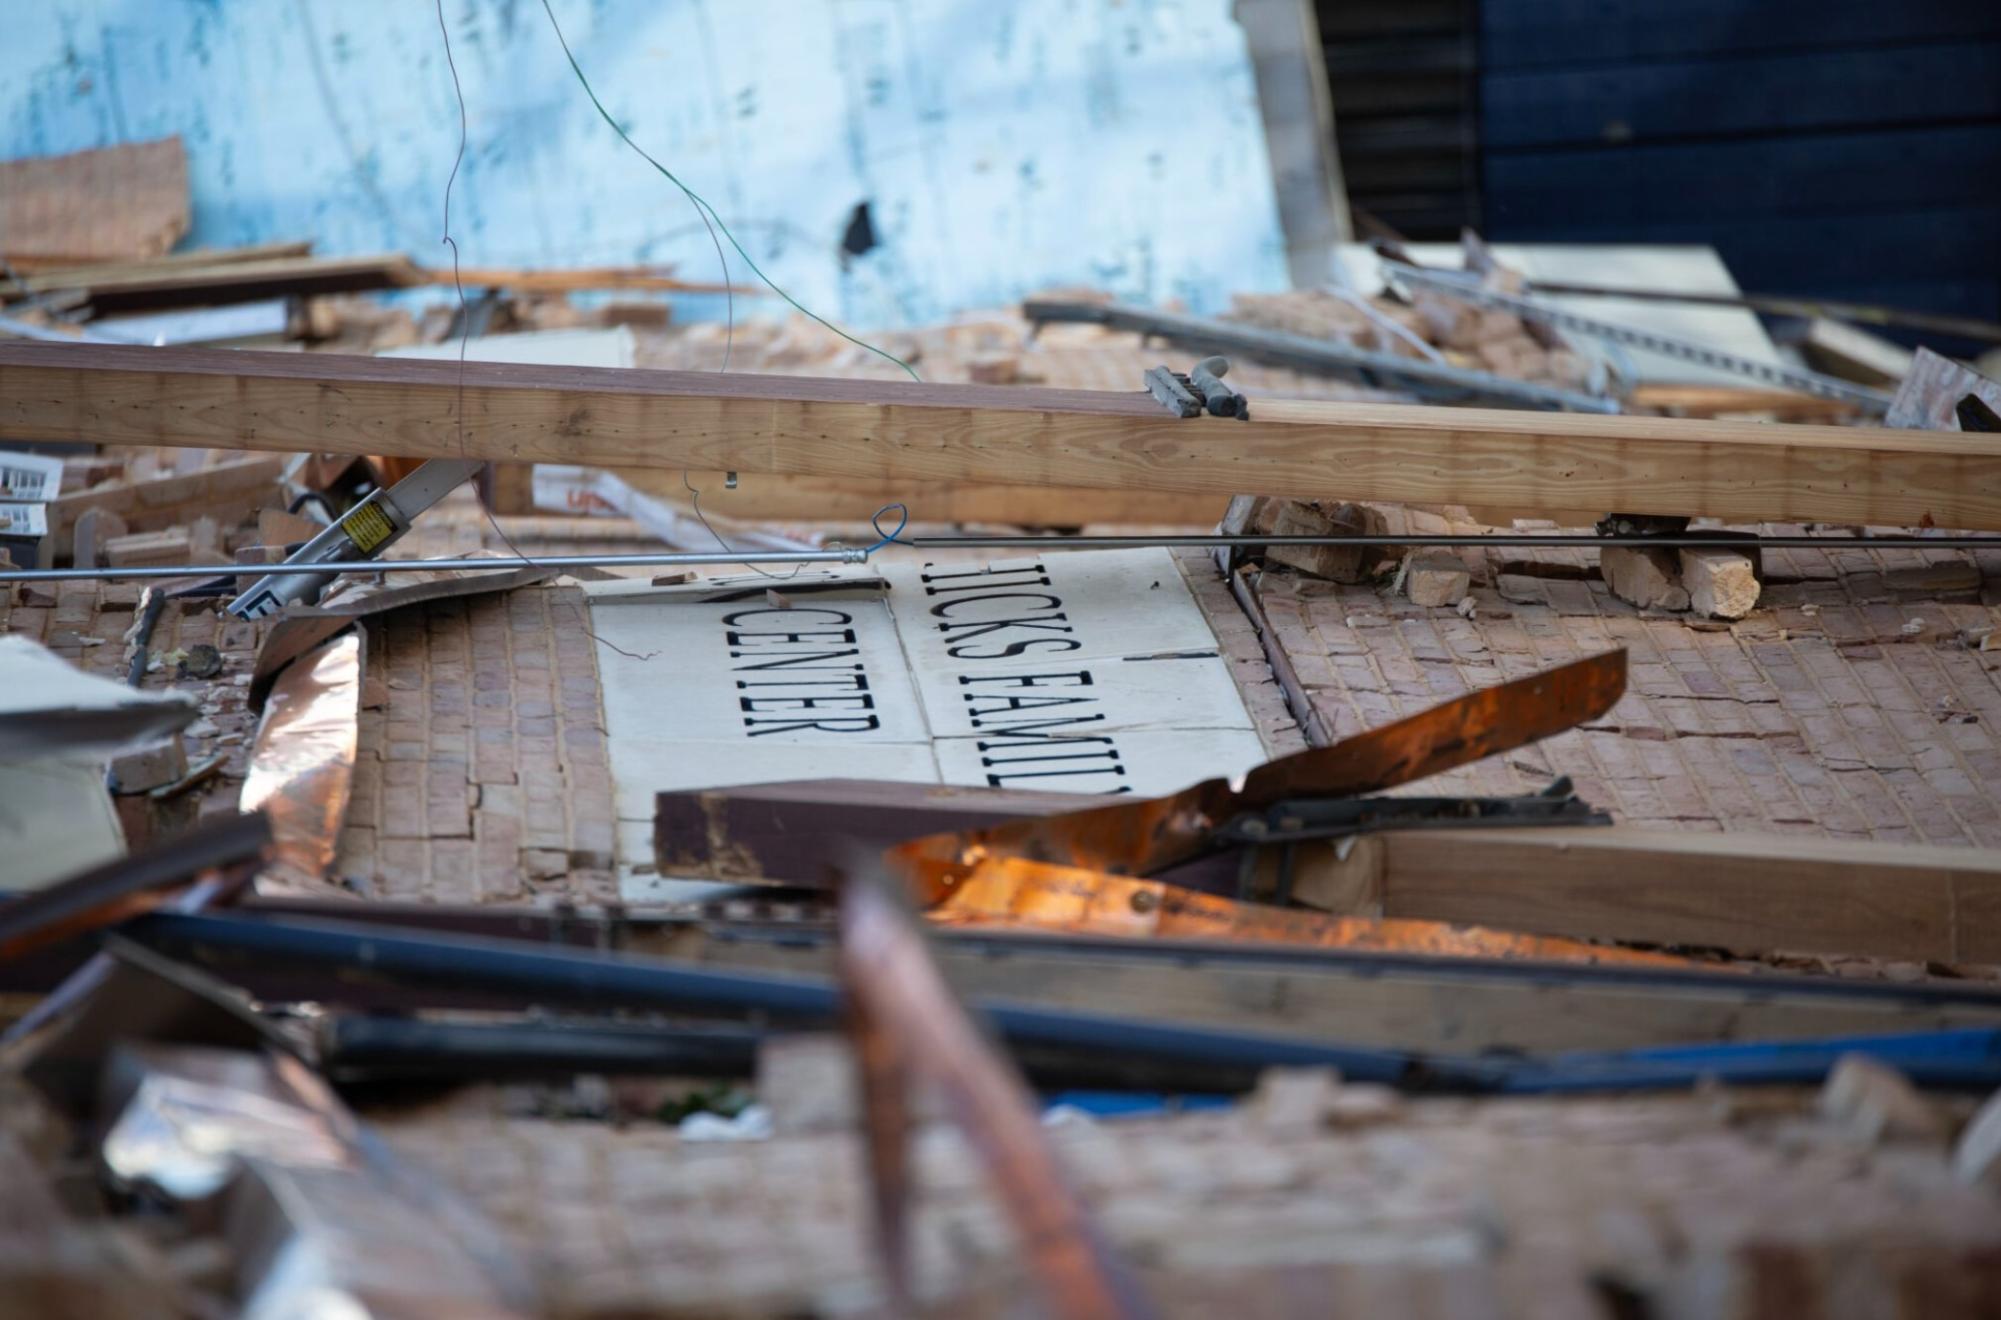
[[1165, 813]]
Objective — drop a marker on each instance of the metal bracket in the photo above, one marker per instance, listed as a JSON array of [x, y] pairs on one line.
[[1292, 822], [1200, 390], [1175, 392], [363, 532]]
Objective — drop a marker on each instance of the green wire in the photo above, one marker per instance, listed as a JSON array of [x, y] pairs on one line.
[[702, 205]]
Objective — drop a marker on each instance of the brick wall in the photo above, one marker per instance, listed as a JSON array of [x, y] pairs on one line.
[[482, 772]]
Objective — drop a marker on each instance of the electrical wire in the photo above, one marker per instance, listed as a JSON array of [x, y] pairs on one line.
[[465, 320], [1497, 541], [703, 518], [458, 283], [889, 538], [709, 211], [710, 220]]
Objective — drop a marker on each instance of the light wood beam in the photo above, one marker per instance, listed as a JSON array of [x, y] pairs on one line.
[[1014, 435], [766, 497], [1749, 893]]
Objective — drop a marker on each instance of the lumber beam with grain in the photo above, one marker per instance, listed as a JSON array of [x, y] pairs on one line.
[[1457, 1004], [1749, 893], [1016, 435], [769, 497]]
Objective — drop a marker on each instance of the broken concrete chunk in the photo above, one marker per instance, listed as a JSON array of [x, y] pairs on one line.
[[1338, 563], [810, 1083], [150, 767], [1876, 1103], [1292, 1099], [1302, 1100], [544, 863], [1363, 1104], [1437, 577], [144, 549], [93, 529], [1721, 583], [994, 369], [1520, 588], [1650, 579]]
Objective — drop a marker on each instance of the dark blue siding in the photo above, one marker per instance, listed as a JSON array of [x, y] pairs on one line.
[[1842, 148]]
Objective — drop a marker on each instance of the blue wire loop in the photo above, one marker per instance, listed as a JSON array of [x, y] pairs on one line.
[[890, 538]]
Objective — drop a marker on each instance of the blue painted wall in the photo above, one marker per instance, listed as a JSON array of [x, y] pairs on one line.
[[1001, 146], [1834, 148]]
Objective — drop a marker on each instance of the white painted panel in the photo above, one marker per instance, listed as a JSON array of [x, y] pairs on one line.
[[1073, 605], [827, 673], [1087, 672], [1146, 764], [643, 767]]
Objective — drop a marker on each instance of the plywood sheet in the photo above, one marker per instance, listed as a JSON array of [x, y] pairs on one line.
[[123, 202]]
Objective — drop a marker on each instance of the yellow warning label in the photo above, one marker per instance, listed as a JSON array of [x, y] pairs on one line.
[[368, 526]]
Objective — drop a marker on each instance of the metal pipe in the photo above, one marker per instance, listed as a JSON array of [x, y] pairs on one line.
[[227, 945], [1172, 1056], [1527, 540], [1325, 356], [860, 554], [677, 559]]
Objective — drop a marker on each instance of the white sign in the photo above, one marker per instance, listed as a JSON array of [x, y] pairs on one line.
[[1079, 672]]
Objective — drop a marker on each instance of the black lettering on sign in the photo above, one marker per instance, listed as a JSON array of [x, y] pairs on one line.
[[796, 612], [960, 651], [946, 609], [1076, 677], [852, 682], [995, 780], [753, 639], [764, 651], [758, 728], [861, 702], [984, 577], [1020, 621], [1014, 704]]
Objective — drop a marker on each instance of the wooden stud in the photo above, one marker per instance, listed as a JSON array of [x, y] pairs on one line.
[[1748, 893], [888, 431]]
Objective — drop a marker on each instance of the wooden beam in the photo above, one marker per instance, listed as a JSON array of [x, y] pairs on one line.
[[1430, 1004], [1458, 1004], [1749, 893], [872, 430], [579, 280], [158, 284], [770, 497]]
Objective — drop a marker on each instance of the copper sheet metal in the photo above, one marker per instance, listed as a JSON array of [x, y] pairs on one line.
[[1042, 896], [908, 1024], [302, 766], [1139, 838]]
